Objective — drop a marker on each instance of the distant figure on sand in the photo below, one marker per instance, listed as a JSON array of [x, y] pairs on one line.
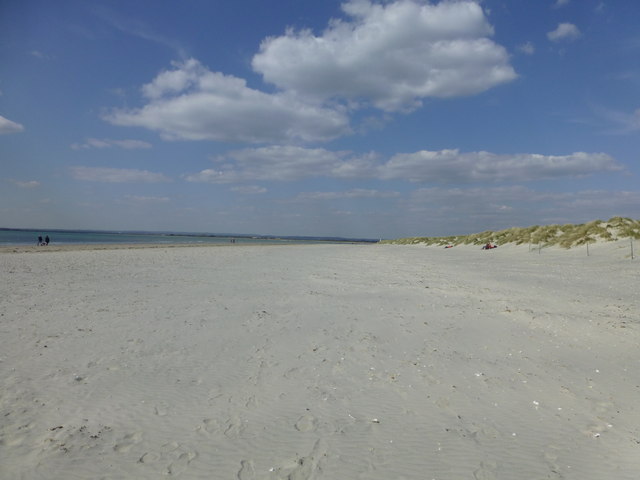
[[488, 246], [46, 240], [39, 240]]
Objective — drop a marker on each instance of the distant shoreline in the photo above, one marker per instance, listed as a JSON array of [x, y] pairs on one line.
[[70, 247], [27, 236]]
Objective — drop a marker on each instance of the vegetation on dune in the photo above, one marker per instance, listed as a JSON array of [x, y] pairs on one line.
[[565, 236]]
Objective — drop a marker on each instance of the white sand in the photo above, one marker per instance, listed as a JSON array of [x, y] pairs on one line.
[[320, 362]]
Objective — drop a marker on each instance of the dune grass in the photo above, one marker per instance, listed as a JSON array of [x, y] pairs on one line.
[[565, 236]]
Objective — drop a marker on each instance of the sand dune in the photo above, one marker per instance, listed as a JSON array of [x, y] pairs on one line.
[[320, 362]]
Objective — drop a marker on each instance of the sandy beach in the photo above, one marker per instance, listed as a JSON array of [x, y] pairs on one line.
[[320, 362]]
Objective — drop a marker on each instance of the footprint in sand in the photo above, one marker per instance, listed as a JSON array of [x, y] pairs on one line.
[[127, 442], [308, 465], [149, 458], [246, 471], [208, 426], [234, 427], [179, 465], [304, 468], [306, 423], [486, 471], [160, 410]]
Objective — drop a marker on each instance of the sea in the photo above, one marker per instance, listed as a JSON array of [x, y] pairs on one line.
[[11, 237]]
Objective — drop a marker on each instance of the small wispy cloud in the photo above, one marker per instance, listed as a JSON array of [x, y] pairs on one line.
[[8, 127], [27, 184], [39, 54], [624, 122], [116, 175], [561, 3], [249, 190], [108, 143], [355, 193], [145, 200], [139, 29], [564, 31], [527, 48]]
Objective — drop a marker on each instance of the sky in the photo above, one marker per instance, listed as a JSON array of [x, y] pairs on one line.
[[353, 118]]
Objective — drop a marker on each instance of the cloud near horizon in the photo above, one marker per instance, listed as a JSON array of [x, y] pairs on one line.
[[493, 208], [282, 163], [354, 193], [452, 166], [116, 175], [145, 200], [287, 163], [27, 184], [108, 143]]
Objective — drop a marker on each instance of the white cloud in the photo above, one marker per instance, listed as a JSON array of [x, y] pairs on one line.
[[564, 31], [561, 3], [249, 190], [354, 193], [40, 55], [290, 163], [27, 184], [8, 127], [284, 163], [116, 175], [451, 166], [626, 122], [145, 200], [191, 102], [108, 143], [527, 48], [392, 55]]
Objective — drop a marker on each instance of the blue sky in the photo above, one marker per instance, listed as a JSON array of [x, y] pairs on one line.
[[298, 117]]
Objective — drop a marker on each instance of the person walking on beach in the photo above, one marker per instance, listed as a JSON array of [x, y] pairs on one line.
[[46, 240], [39, 240]]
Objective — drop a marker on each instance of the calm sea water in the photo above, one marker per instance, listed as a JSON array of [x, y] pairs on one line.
[[61, 237]]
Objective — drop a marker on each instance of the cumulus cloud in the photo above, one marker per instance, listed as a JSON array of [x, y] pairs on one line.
[[108, 143], [452, 166], [8, 127], [564, 31], [116, 175], [284, 163], [390, 54], [191, 102]]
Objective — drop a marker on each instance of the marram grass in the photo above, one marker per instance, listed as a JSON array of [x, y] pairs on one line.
[[566, 236]]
